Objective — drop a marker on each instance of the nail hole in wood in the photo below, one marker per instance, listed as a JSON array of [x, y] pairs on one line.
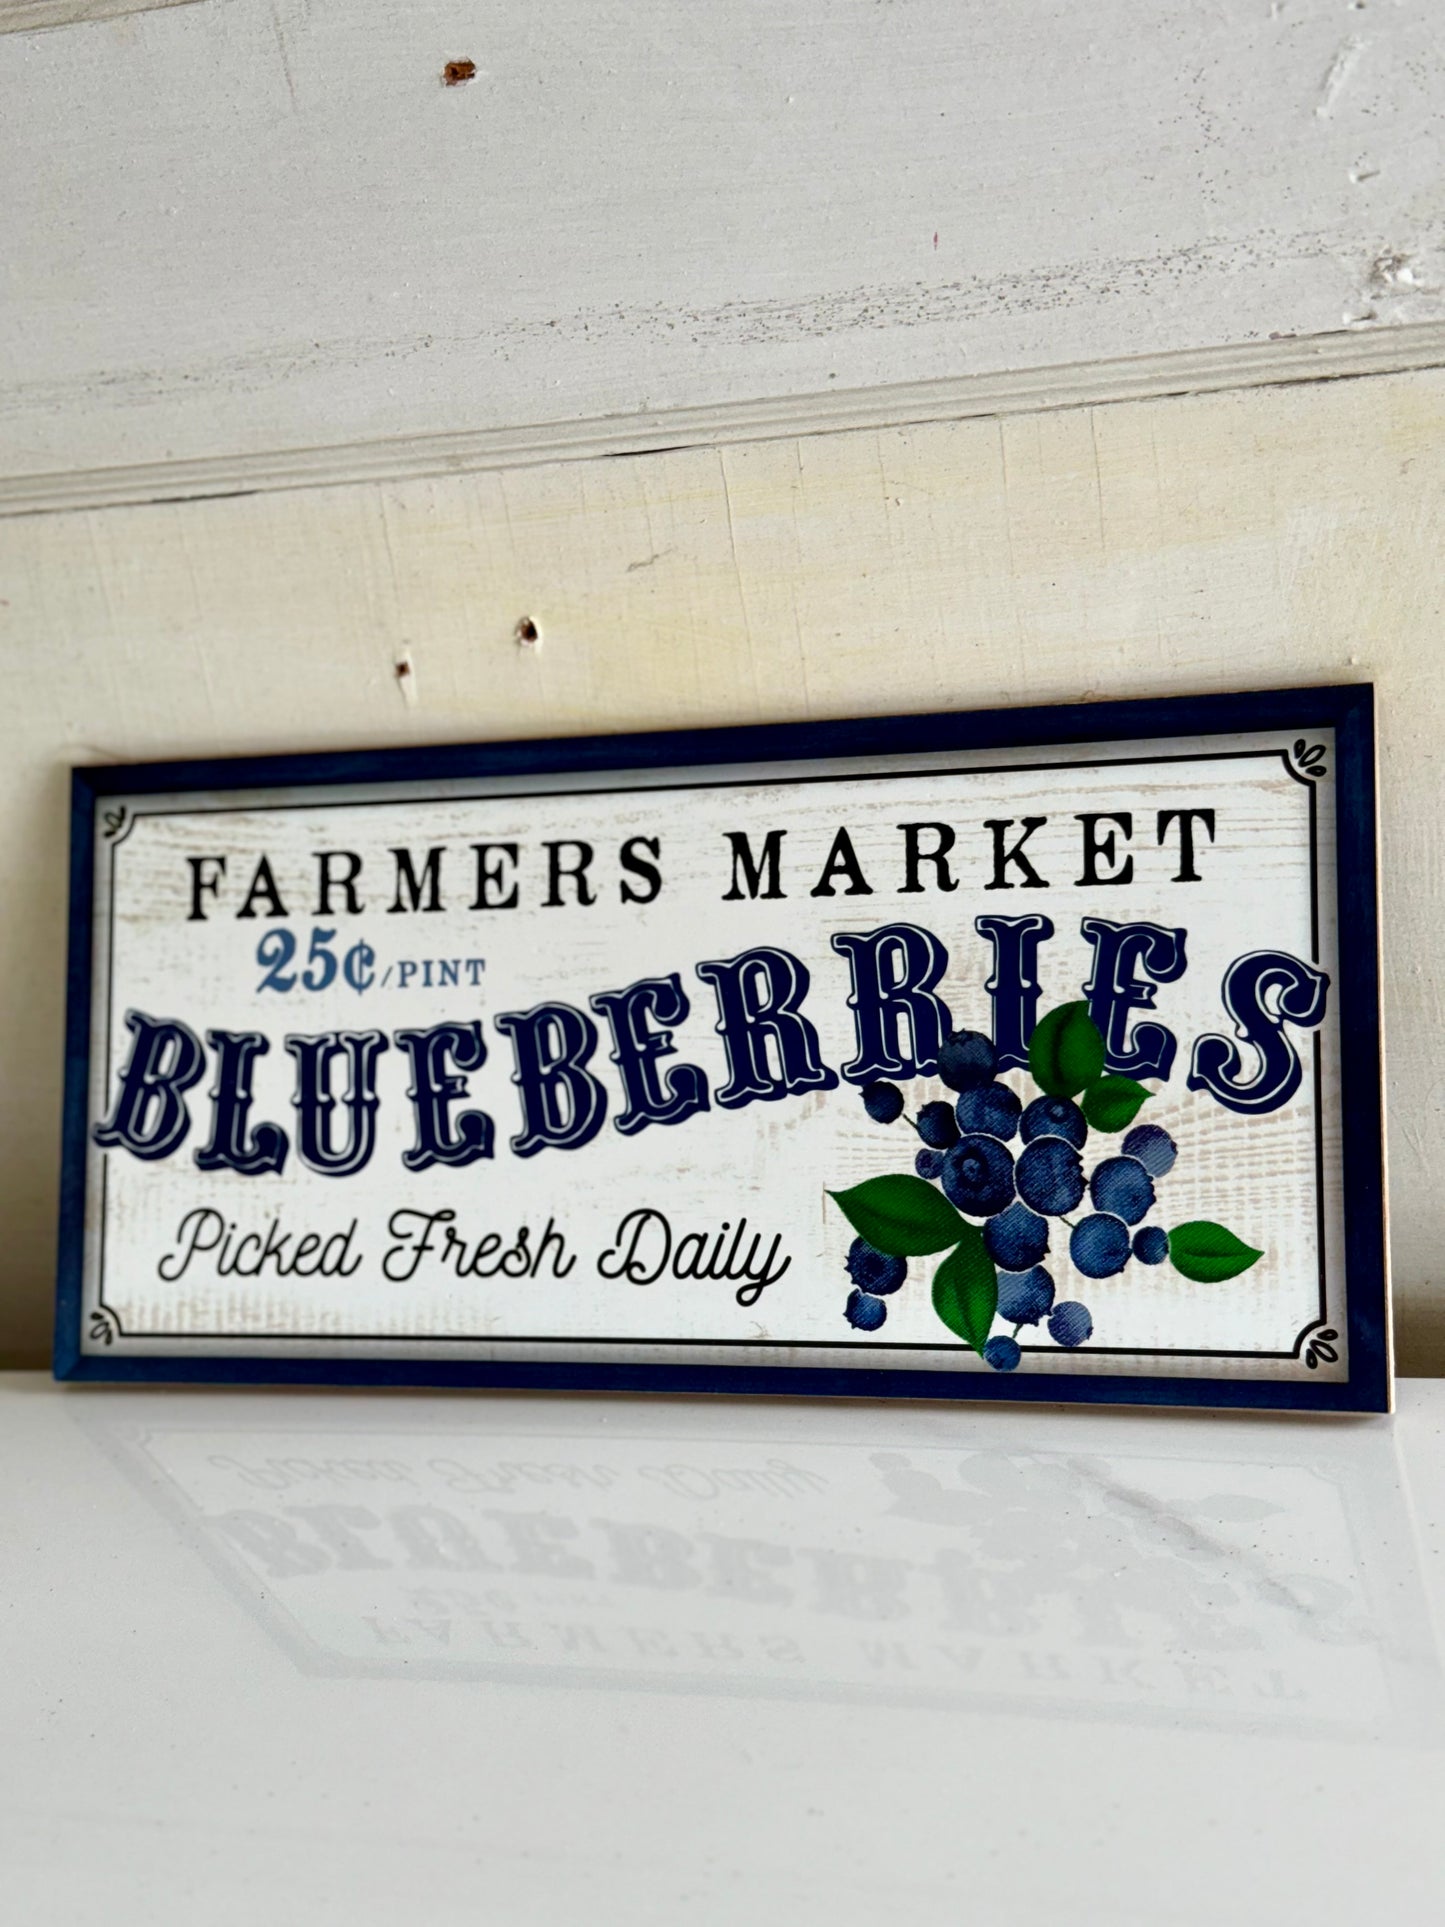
[[527, 633]]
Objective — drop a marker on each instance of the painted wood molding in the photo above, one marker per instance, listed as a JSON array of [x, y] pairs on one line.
[[1345, 355]]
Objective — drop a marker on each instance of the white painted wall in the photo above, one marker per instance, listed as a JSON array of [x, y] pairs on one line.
[[1277, 536], [242, 227]]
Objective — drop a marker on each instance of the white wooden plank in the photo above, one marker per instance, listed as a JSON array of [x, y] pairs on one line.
[[1196, 372], [236, 230]]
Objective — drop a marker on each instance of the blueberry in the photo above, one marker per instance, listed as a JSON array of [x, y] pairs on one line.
[[966, 1059], [1055, 1117], [874, 1271], [1123, 1186], [864, 1313], [1099, 1246], [1151, 1244], [1153, 1147], [1050, 1175], [928, 1164], [936, 1126], [1017, 1238], [1002, 1353], [1070, 1323], [1025, 1296], [992, 1108], [883, 1102], [978, 1176]]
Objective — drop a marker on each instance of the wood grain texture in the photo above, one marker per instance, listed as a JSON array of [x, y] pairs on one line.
[[28, 16], [266, 225], [1264, 538]]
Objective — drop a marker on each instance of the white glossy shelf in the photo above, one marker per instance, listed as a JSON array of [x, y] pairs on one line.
[[273, 1658]]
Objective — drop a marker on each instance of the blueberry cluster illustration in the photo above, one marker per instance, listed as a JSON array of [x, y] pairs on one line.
[[997, 1180]]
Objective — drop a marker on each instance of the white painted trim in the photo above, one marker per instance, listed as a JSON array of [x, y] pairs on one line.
[[29, 16], [1332, 357]]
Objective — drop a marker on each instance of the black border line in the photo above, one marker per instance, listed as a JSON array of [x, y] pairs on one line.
[[578, 1342], [737, 783]]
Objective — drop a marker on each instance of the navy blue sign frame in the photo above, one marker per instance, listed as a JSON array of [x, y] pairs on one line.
[[1348, 710]]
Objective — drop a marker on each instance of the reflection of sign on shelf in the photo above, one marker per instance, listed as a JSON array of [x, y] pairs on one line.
[[1219, 1588], [1015, 1054]]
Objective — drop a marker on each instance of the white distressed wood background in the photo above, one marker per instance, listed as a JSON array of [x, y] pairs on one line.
[[245, 228], [773, 1163]]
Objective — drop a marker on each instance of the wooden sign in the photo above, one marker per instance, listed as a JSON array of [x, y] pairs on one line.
[[1027, 1054]]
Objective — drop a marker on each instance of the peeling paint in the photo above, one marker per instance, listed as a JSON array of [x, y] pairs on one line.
[[1391, 269], [1395, 289], [1340, 73]]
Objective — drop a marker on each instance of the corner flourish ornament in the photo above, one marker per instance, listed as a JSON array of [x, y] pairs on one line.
[[1319, 1342], [104, 1325], [1307, 761], [117, 824]]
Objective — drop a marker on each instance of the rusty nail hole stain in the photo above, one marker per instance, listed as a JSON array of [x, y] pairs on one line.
[[527, 633], [457, 73], [403, 668]]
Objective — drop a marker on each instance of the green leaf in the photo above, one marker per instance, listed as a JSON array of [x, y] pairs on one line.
[[965, 1289], [904, 1216], [1208, 1253], [1066, 1051], [1112, 1102]]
